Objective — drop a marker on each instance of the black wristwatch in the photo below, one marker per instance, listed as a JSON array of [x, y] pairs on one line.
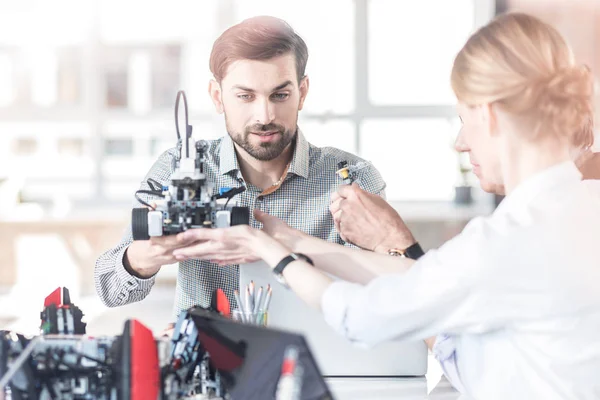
[[278, 270], [414, 252]]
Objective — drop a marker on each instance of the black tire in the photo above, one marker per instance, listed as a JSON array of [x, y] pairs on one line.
[[240, 216], [139, 224]]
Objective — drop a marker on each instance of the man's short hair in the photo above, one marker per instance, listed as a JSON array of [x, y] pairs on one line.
[[257, 38]]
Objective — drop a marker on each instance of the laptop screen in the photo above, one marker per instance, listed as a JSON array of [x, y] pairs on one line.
[[249, 358]]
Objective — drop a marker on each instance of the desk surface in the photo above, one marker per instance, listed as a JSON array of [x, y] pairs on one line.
[[390, 388], [386, 389]]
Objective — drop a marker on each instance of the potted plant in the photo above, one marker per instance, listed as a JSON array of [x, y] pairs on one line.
[[463, 189]]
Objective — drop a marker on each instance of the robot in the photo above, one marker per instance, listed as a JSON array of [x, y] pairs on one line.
[[188, 372], [76, 367], [135, 365], [188, 202]]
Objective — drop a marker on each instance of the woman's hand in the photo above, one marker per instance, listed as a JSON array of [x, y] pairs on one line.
[[279, 229], [237, 244]]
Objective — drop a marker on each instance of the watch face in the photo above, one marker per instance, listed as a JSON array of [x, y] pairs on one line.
[[396, 253], [280, 279]]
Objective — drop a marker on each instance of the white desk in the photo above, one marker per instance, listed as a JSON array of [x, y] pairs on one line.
[[390, 388], [385, 389]]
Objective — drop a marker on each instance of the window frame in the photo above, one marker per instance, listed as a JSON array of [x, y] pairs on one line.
[[94, 111]]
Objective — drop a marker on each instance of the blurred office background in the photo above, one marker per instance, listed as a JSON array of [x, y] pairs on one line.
[[87, 90]]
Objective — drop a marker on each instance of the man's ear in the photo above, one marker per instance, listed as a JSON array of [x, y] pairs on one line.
[[216, 95], [304, 83]]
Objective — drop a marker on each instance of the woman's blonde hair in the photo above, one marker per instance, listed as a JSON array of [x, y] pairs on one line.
[[526, 67]]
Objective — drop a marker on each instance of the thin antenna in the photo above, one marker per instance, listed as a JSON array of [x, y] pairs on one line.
[[188, 127]]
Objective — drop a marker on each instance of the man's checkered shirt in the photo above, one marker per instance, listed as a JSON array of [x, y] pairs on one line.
[[302, 201]]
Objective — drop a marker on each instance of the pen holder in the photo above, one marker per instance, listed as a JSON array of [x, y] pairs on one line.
[[258, 318]]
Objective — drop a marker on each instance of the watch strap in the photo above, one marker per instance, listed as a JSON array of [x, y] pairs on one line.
[[278, 270], [413, 251]]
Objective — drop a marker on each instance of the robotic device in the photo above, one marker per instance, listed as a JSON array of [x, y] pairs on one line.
[[70, 367], [349, 173], [131, 366], [188, 372], [344, 172], [60, 316], [188, 202], [209, 356]]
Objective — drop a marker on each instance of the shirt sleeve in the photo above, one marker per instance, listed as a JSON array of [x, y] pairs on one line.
[[370, 180], [114, 285], [438, 294], [444, 351]]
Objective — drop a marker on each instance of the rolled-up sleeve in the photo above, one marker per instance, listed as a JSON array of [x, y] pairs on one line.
[[114, 285]]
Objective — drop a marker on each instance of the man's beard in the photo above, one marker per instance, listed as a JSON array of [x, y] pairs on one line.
[[266, 151]]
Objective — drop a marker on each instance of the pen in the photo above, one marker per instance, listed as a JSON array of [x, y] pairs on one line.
[[258, 300], [252, 298], [267, 299], [249, 306], [238, 300]]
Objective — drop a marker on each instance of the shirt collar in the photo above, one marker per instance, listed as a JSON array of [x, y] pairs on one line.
[[547, 179], [300, 161], [227, 158]]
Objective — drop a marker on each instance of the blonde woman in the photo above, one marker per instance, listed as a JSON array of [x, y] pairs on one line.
[[514, 298]]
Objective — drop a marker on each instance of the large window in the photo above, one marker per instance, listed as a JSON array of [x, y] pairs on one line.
[[380, 84], [411, 47], [92, 96]]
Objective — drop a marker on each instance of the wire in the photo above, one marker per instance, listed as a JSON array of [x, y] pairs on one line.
[[232, 192], [151, 182], [150, 192]]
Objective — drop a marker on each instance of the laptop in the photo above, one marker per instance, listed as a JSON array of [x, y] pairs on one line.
[[335, 355], [249, 358]]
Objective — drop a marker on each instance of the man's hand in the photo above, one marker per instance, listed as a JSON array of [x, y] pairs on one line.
[[368, 221], [145, 257]]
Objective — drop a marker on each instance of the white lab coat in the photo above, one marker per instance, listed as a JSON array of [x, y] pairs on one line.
[[516, 294]]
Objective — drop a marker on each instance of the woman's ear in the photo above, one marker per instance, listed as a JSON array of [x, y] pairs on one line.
[[489, 118]]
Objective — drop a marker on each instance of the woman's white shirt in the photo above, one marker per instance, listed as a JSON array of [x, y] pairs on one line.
[[517, 295]]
